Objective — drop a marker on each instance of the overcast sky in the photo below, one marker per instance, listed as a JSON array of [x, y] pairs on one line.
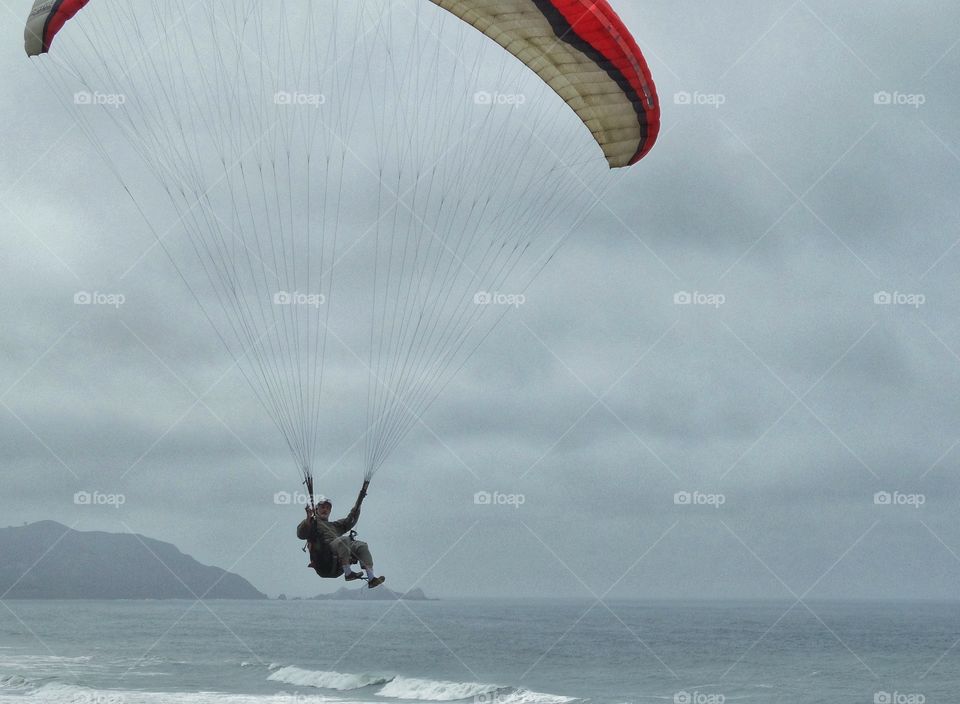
[[784, 190]]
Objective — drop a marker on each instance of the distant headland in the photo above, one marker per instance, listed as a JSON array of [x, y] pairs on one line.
[[47, 560]]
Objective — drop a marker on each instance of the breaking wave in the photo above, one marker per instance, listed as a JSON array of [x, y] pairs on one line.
[[339, 681]]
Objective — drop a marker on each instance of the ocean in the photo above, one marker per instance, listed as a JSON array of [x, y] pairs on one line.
[[478, 652]]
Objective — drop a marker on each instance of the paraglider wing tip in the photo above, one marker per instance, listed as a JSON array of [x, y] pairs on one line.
[[584, 51], [46, 19]]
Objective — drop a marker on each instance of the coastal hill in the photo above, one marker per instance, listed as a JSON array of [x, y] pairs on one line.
[[47, 560], [379, 594]]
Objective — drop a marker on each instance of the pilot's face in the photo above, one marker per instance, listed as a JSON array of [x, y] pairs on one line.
[[323, 511]]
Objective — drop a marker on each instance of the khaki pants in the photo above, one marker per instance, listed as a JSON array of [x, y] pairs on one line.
[[346, 548]]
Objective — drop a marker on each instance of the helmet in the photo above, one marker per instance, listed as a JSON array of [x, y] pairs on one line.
[[324, 500]]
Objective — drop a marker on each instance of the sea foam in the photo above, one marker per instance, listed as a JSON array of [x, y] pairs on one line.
[[14, 682], [57, 693], [441, 691], [322, 679]]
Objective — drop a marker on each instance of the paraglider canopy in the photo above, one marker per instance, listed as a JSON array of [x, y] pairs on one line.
[[580, 48], [293, 136], [46, 19]]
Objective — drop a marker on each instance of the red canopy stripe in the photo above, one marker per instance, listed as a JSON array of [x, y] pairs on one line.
[[597, 24]]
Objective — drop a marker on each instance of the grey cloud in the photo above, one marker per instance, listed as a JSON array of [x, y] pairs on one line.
[[701, 411]]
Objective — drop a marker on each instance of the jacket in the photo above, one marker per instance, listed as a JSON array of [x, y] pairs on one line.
[[318, 535]]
